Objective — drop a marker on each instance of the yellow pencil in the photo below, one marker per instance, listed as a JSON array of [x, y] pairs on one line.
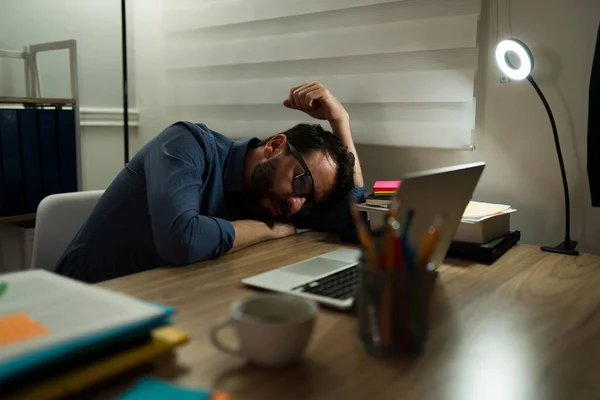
[[364, 236]]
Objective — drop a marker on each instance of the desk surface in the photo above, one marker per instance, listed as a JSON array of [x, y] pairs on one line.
[[527, 327]]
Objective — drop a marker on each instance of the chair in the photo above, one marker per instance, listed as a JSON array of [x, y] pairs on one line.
[[59, 218]]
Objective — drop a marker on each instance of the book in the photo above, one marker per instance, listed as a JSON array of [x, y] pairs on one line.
[[32, 170], [48, 151], [375, 200], [46, 319], [484, 230], [67, 151], [79, 377], [155, 389], [11, 184], [386, 186], [485, 253]]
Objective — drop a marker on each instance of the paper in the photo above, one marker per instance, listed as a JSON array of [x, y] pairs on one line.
[[66, 308], [154, 389], [18, 327], [476, 209]]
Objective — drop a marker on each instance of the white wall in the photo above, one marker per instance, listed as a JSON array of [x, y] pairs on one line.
[[96, 25], [513, 134], [512, 131]]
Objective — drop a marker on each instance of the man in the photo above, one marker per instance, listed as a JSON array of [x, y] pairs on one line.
[[192, 194]]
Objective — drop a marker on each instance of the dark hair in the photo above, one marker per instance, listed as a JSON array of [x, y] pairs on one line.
[[307, 138]]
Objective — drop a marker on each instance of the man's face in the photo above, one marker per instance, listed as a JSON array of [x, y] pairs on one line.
[[271, 188]]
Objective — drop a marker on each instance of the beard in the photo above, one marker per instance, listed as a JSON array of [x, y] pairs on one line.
[[261, 188]]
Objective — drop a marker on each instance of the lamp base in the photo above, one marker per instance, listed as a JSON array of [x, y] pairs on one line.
[[563, 248]]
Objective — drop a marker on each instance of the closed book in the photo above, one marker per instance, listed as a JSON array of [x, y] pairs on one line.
[[373, 200], [384, 194], [48, 151], [485, 253], [386, 186], [483, 231], [11, 185], [63, 321], [32, 170], [67, 152]]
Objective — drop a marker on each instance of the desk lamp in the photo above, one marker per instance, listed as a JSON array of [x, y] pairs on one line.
[[523, 71]]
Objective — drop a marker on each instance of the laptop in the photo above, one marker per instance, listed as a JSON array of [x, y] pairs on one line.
[[332, 278]]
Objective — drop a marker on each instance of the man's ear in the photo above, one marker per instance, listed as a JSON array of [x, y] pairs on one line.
[[275, 146]]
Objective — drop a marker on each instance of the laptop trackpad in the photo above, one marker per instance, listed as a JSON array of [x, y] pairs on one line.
[[315, 267]]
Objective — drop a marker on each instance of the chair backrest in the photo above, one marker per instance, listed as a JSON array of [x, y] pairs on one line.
[[59, 218]]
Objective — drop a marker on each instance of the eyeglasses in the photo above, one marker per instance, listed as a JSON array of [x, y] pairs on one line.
[[303, 184]]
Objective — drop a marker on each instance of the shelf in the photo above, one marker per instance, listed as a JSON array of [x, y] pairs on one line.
[[17, 218], [37, 101]]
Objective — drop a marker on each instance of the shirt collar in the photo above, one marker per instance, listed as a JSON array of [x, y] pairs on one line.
[[233, 177]]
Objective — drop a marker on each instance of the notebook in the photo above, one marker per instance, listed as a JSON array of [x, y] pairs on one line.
[[386, 186], [50, 317], [81, 377]]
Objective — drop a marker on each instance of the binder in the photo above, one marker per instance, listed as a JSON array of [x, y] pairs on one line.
[[10, 158], [67, 152], [485, 253], [81, 377], [48, 151], [30, 157]]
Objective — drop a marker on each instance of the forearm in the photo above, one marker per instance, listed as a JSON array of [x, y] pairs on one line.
[[341, 128], [249, 232]]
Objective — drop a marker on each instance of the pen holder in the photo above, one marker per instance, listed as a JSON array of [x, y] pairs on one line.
[[393, 309]]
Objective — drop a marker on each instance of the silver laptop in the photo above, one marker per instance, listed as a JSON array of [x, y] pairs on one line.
[[332, 278]]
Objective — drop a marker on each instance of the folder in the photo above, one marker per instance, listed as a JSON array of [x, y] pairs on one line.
[[48, 151], [30, 156], [67, 152], [10, 164], [72, 321], [81, 377]]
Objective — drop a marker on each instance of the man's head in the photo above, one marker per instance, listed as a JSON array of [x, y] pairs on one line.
[[304, 166]]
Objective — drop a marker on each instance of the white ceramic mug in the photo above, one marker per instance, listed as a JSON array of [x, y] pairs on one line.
[[271, 329]]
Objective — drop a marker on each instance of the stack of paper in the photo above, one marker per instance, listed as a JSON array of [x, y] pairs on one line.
[[477, 211]]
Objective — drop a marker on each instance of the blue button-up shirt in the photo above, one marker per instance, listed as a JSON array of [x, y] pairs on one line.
[[171, 205]]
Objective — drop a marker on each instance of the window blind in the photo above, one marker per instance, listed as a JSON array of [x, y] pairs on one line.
[[405, 70]]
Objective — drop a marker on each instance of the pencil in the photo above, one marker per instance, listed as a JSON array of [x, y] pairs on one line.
[[429, 242], [364, 236]]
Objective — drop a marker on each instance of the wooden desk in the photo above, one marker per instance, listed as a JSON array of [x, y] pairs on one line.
[[527, 327]]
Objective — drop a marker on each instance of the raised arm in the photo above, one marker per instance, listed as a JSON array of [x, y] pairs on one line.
[[317, 101]]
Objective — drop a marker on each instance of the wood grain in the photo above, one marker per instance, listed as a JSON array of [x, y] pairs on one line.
[[527, 327]]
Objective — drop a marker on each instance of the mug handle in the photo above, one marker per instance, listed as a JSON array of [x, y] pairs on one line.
[[216, 327]]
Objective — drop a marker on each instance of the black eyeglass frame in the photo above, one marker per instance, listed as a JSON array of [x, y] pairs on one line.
[[310, 197]]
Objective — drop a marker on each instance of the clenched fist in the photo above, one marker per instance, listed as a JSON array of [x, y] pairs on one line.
[[317, 101]]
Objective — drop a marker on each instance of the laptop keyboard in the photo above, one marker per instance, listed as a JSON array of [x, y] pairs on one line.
[[340, 285]]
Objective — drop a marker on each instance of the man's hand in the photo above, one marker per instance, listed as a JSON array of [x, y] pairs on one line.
[[317, 101], [282, 229]]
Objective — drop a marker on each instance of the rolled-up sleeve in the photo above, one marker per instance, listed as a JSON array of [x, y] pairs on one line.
[[174, 166]]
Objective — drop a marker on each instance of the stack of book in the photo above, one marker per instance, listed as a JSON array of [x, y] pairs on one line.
[[59, 337], [483, 234], [383, 192]]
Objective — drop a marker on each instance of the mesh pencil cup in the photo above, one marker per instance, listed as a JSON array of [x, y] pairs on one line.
[[393, 309]]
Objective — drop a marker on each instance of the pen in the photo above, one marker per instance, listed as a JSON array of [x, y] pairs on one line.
[[429, 242], [364, 236]]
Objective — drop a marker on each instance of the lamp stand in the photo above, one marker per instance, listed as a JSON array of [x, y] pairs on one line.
[[568, 246]]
